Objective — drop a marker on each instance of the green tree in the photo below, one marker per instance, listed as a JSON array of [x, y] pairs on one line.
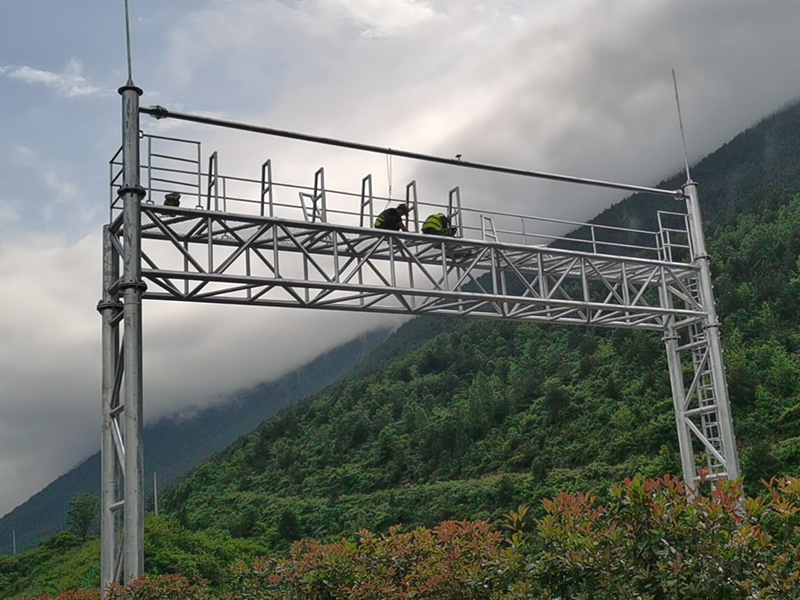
[[289, 526], [83, 511]]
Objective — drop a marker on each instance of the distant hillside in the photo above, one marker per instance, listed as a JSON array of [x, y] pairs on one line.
[[173, 447], [757, 169]]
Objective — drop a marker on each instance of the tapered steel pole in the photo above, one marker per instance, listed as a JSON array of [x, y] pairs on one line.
[[712, 328], [132, 289]]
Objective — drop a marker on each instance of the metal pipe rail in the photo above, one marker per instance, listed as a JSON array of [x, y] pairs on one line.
[[184, 174], [159, 112]]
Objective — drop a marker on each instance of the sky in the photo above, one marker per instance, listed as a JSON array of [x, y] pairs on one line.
[[580, 87]]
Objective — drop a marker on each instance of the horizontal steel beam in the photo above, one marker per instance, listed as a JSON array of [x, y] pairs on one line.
[[159, 112], [296, 288]]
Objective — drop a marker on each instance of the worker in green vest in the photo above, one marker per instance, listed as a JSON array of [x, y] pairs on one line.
[[438, 224]]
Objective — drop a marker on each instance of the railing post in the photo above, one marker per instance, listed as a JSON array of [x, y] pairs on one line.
[[454, 210], [213, 181], [266, 186], [366, 200], [411, 200], [319, 193]]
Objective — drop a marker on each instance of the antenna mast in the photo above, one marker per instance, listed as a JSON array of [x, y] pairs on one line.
[[680, 123], [128, 43]]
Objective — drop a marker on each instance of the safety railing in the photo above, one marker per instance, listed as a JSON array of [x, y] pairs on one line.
[[172, 165]]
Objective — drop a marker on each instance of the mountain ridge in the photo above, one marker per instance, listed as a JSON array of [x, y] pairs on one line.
[[171, 446]]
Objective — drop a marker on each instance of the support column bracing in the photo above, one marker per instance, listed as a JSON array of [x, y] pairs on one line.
[[679, 404], [111, 484], [132, 289], [711, 327]]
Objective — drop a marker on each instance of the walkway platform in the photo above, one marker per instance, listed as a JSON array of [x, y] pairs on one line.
[[285, 244]]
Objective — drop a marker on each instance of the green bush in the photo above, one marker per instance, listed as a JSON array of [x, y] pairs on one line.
[[652, 540]]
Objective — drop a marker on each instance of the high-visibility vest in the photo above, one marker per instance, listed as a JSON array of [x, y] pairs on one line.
[[434, 222], [383, 219]]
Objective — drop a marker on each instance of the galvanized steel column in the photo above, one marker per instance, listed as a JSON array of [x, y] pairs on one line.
[[109, 308], [679, 404], [712, 326], [132, 288]]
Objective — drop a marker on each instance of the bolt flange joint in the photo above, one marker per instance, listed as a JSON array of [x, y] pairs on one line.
[[113, 305], [132, 189], [134, 285]]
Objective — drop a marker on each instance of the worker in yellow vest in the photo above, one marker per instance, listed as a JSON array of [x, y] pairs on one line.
[[392, 218], [438, 224]]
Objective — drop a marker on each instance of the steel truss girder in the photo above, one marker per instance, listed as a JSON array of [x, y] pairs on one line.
[[238, 259], [113, 438], [199, 256]]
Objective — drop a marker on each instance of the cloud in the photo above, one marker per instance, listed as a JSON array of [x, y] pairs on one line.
[[50, 358], [23, 156], [592, 96], [47, 331], [64, 199], [381, 17], [586, 93], [70, 83], [8, 214]]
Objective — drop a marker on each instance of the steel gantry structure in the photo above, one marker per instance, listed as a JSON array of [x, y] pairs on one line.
[[318, 250]]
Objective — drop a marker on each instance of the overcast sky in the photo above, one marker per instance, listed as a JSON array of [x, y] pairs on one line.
[[582, 87]]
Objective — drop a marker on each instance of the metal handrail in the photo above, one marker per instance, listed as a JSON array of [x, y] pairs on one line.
[[166, 172]]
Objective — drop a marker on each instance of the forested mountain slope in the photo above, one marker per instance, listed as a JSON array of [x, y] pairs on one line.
[[493, 414]]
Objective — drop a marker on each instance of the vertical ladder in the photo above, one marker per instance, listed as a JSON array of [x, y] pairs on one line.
[[701, 400], [706, 400]]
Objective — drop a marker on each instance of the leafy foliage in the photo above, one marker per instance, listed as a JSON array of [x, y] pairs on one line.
[[651, 540], [62, 562], [203, 555], [483, 416], [82, 514]]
